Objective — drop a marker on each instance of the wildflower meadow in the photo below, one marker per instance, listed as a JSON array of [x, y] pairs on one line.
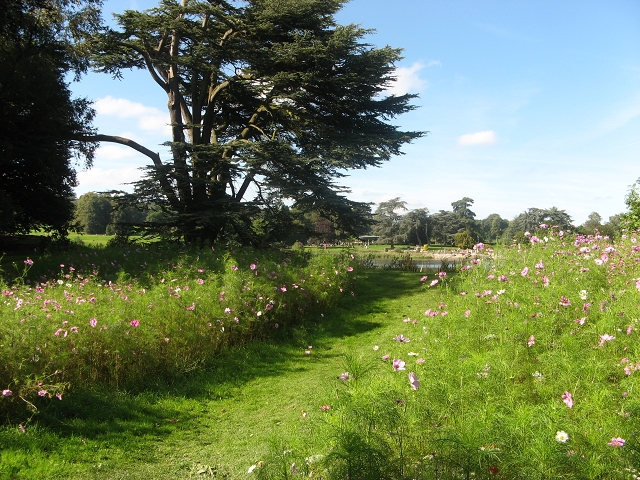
[[74, 328], [526, 366], [521, 363]]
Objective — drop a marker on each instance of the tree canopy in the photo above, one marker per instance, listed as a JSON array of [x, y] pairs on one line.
[[268, 101], [39, 121]]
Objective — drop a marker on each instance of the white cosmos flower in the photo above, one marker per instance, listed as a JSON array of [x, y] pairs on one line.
[[562, 436]]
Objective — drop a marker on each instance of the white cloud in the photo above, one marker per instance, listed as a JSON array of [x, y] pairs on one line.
[[408, 80], [149, 118], [434, 63], [99, 179], [114, 152], [479, 138]]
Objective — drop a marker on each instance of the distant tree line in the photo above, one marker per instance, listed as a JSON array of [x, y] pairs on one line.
[[99, 214], [459, 226]]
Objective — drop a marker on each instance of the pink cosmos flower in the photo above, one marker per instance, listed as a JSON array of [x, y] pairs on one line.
[[564, 301], [385, 357], [425, 278], [234, 268], [467, 313], [433, 283], [503, 278], [349, 269], [283, 289], [7, 393], [398, 365], [93, 322], [401, 338], [324, 408], [567, 398], [540, 265], [344, 377], [59, 396], [253, 266], [638, 284], [42, 393], [413, 380], [629, 329], [524, 271], [531, 341], [200, 281], [442, 274], [605, 338], [617, 442], [135, 323], [28, 262]]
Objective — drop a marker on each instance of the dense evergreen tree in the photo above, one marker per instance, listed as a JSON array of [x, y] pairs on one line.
[[467, 219], [39, 121], [387, 220], [444, 225], [414, 227], [270, 97]]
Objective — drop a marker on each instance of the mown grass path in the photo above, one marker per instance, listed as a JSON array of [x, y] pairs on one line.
[[216, 423]]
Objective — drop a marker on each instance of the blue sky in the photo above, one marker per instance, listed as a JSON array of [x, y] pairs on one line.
[[530, 103]]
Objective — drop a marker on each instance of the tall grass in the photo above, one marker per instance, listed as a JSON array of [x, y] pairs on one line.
[[169, 311], [527, 368]]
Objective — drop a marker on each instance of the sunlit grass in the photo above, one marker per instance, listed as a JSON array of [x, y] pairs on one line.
[[496, 352]]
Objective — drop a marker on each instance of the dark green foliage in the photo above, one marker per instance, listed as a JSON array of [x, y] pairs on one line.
[[38, 118], [493, 227], [463, 240], [268, 101], [387, 219], [93, 213], [444, 225], [414, 227]]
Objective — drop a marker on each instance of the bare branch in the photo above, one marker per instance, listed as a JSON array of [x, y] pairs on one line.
[[155, 157]]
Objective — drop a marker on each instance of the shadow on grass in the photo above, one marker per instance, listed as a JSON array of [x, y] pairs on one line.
[[110, 416]]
